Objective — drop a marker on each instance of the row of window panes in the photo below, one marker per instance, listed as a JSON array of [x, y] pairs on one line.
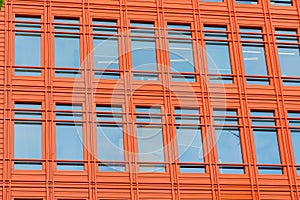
[[28, 127], [144, 56], [272, 2]]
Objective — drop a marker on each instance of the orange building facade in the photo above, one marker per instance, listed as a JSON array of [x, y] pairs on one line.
[[158, 99]]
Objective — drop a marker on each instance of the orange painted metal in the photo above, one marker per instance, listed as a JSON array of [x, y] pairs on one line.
[[52, 184]]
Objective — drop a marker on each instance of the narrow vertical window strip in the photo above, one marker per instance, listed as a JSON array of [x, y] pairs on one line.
[[69, 137], [27, 136], [218, 55], [28, 46], [228, 141], [110, 138], [67, 48], [106, 55], [255, 63], [181, 52], [266, 142], [150, 139], [289, 56], [294, 125], [143, 51], [189, 140]]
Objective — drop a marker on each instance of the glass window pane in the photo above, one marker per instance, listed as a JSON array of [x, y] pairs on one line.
[[266, 144], [144, 55], [289, 61], [106, 53], [247, 1], [296, 145], [150, 143], [254, 60], [28, 140], [229, 146], [28, 50], [189, 144], [181, 56], [67, 52], [110, 143], [69, 143], [281, 2], [218, 58]]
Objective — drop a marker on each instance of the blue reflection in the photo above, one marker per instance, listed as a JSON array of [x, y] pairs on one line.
[[67, 52], [255, 60], [296, 145], [189, 144], [150, 143], [229, 146], [27, 140], [267, 149], [27, 50], [218, 58], [181, 56], [110, 143], [289, 61], [69, 143], [144, 55]]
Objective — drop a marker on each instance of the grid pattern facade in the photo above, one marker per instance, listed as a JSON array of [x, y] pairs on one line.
[[230, 112]]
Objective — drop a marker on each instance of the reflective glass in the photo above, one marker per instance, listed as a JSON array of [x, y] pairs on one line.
[[247, 1], [218, 58], [255, 60], [106, 54], [267, 149], [289, 61], [281, 2], [189, 144], [28, 140], [229, 145], [67, 52], [150, 143], [27, 50], [296, 145], [69, 142], [110, 143], [144, 55]]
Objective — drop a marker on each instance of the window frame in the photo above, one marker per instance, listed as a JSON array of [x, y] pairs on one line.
[[67, 71], [34, 31], [38, 162]]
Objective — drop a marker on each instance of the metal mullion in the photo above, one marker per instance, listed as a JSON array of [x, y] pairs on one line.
[[110, 36], [218, 40], [41, 32], [180, 40], [67, 34], [144, 38]]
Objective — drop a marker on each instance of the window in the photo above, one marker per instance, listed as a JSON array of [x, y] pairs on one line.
[[254, 56], [69, 138], [294, 120], [67, 47], [228, 141], [110, 138], [106, 56], [289, 56], [28, 57], [281, 2], [218, 55], [189, 140], [266, 142], [150, 139], [213, 0], [28, 136], [181, 53], [143, 47], [247, 1]]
